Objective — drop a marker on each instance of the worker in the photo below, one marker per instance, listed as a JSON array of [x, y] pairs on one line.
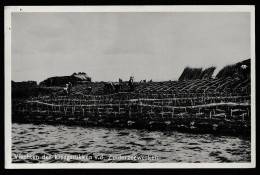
[[69, 87]]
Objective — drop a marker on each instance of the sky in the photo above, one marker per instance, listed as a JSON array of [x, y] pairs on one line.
[[112, 45]]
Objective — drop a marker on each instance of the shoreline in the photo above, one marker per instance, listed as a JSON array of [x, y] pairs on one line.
[[187, 125]]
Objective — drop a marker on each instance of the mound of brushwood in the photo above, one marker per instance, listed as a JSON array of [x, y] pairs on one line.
[[196, 73], [207, 73], [239, 70], [190, 74]]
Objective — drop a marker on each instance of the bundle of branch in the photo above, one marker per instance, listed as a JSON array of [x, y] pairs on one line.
[[207, 73], [239, 70], [190, 74]]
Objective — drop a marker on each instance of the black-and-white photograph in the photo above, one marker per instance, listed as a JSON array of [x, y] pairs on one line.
[[111, 85]]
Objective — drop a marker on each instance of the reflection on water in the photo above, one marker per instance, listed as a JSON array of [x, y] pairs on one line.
[[49, 143]]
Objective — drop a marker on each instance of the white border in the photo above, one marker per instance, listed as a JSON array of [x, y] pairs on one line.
[[8, 126]]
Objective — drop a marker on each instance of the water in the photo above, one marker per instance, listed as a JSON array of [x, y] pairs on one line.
[[62, 144]]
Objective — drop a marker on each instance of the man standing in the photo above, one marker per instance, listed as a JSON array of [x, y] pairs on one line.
[[131, 83], [69, 87]]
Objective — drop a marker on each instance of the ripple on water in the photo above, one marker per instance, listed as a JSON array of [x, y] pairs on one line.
[[195, 148], [193, 144], [223, 159], [137, 143], [147, 138], [83, 146], [51, 151], [123, 133]]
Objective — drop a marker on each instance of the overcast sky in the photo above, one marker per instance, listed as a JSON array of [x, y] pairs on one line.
[[108, 46]]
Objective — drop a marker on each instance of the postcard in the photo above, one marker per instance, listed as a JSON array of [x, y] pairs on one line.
[[129, 87]]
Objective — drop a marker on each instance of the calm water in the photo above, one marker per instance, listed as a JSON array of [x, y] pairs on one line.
[[46, 143]]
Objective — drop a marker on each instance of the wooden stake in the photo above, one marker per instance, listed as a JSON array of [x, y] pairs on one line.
[[130, 112], [65, 110]]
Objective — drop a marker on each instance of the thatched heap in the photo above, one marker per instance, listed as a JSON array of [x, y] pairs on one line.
[[196, 73], [239, 70], [190, 73], [207, 73]]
